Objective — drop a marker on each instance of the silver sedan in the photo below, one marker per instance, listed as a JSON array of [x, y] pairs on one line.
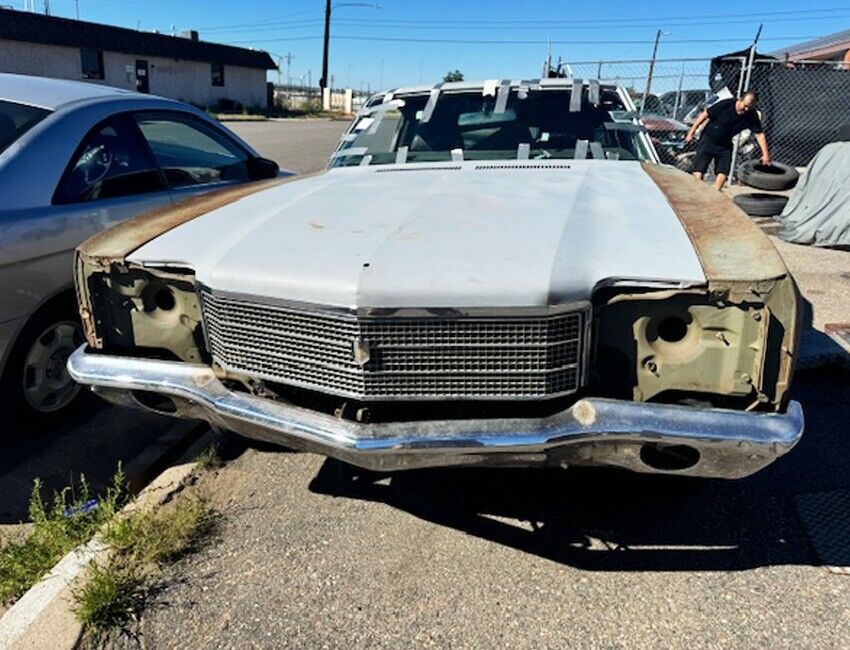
[[76, 158]]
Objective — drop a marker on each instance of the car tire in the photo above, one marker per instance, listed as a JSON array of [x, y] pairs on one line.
[[774, 177], [759, 204], [36, 390]]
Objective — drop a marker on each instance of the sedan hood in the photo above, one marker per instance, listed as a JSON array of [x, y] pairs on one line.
[[471, 234]]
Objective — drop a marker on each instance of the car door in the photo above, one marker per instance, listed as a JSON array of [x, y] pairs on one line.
[[110, 176], [194, 155]]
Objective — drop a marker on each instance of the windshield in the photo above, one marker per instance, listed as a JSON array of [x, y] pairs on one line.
[[468, 125], [17, 119]]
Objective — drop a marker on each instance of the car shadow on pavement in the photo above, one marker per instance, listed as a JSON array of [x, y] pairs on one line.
[[92, 441], [612, 520]]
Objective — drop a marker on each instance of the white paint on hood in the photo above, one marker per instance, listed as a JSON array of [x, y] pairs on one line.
[[466, 235]]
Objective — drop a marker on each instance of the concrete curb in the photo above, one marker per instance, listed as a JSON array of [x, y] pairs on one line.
[[43, 616]]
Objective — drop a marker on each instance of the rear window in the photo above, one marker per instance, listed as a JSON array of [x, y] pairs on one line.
[[17, 119]]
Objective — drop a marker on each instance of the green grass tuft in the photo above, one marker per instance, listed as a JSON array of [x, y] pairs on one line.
[[110, 598], [209, 459], [143, 542], [155, 537], [58, 528]]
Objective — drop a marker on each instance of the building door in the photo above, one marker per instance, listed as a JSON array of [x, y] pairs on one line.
[[142, 79]]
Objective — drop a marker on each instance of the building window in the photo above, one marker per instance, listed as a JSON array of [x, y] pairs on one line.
[[92, 63], [218, 74]]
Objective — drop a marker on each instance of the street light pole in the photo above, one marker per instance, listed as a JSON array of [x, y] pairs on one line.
[[649, 76], [323, 82]]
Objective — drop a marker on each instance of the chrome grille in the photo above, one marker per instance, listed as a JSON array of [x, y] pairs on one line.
[[401, 357]]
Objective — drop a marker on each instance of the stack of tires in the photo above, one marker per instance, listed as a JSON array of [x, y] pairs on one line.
[[775, 177]]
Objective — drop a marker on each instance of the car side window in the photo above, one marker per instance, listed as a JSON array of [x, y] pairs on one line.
[[112, 161], [191, 152]]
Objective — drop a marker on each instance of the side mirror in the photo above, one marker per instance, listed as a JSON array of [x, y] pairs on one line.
[[262, 168]]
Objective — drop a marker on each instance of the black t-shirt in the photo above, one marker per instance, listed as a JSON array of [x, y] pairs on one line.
[[725, 123]]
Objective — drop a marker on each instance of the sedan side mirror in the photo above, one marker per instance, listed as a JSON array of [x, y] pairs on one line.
[[262, 168]]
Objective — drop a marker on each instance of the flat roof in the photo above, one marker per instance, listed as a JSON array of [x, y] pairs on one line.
[[31, 27]]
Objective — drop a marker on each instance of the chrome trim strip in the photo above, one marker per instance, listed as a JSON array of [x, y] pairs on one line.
[[594, 431], [401, 312]]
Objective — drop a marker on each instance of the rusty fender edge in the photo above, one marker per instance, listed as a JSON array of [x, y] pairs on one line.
[[740, 262], [717, 443]]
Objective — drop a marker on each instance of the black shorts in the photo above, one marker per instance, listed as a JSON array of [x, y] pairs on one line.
[[722, 161]]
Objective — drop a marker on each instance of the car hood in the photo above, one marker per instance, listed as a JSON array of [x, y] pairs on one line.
[[465, 234]]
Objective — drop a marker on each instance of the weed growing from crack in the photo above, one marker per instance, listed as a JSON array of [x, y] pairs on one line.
[[143, 542], [209, 459]]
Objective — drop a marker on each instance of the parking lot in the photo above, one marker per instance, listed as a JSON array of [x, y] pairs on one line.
[[308, 550]]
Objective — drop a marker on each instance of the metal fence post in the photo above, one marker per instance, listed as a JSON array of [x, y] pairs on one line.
[[745, 63], [679, 93]]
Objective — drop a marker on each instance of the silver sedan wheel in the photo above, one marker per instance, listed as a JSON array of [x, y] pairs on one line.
[[47, 385]]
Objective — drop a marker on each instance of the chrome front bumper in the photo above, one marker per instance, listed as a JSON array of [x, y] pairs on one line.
[[656, 438]]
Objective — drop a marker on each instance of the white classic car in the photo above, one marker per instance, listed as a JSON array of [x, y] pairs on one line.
[[486, 274]]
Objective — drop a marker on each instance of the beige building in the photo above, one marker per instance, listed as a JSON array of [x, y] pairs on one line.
[[179, 67]]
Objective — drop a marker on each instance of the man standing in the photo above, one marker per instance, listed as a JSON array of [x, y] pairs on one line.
[[726, 119]]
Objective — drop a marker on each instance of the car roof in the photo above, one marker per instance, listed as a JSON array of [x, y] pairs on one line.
[[565, 82], [54, 93]]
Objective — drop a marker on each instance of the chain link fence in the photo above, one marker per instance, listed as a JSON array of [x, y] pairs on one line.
[[668, 93], [800, 103]]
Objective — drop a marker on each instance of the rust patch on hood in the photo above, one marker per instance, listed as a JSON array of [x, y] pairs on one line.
[[730, 247], [114, 244]]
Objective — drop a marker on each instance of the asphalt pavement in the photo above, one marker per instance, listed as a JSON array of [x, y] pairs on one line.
[[312, 553], [300, 145]]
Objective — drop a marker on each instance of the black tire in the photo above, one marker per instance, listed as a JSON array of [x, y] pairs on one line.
[[57, 319], [774, 177], [758, 204]]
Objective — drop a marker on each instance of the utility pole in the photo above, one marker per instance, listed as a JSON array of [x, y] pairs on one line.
[[288, 58], [323, 82], [46, 7], [77, 7], [651, 70]]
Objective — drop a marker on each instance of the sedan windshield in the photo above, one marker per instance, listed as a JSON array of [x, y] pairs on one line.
[[17, 119], [471, 125]]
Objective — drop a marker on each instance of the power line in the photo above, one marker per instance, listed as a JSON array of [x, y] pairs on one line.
[[655, 20], [551, 28], [548, 24], [547, 29], [306, 22], [524, 42]]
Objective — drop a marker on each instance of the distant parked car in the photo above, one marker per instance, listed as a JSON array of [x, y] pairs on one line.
[[76, 158], [678, 103], [668, 136]]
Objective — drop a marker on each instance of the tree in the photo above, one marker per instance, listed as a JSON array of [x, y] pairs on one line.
[[457, 75]]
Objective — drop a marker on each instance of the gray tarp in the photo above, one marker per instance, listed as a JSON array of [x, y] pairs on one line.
[[818, 212]]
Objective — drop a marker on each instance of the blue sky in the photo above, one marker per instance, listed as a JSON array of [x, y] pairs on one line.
[[441, 35]]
